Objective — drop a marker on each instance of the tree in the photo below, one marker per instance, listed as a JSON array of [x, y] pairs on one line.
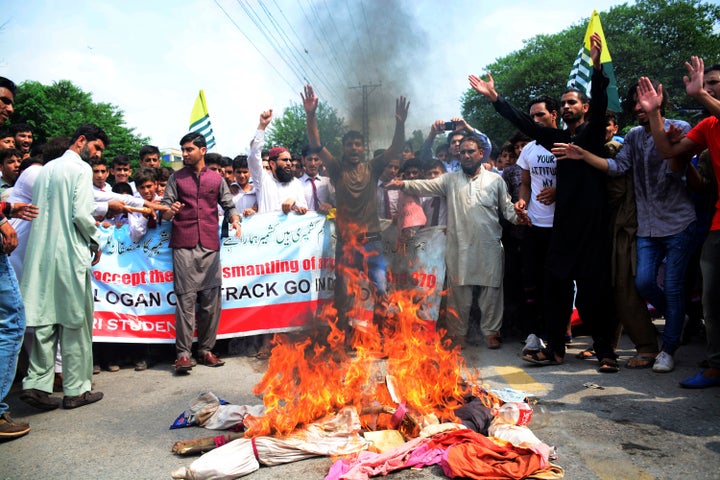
[[651, 38], [290, 132], [58, 109]]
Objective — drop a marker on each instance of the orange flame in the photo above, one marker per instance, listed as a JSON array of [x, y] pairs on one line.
[[311, 376]]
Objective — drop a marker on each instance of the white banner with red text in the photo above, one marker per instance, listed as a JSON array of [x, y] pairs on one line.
[[275, 277]]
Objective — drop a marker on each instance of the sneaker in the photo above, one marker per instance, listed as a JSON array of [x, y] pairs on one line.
[[141, 365], [700, 381], [81, 400], [39, 399], [533, 343], [10, 429], [664, 363]]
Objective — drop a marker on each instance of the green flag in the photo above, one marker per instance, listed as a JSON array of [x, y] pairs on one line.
[[581, 72], [200, 120]]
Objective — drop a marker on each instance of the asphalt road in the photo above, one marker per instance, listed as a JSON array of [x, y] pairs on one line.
[[638, 425]]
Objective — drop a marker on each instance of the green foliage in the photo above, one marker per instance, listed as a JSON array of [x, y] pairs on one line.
[[290, 131], [650, 38], [58, 109]]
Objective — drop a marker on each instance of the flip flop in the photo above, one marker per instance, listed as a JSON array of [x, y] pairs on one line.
[[608, 365], [587, 354], [534, 358]]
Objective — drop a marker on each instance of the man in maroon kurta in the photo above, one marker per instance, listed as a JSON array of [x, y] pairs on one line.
[[193, 194]]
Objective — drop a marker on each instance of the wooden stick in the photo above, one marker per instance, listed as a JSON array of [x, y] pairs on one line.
[[201, 445]]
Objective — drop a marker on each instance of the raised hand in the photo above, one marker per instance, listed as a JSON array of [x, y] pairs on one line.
[[265, 118], [310, 101], [401, 109], [696, 69], [648, 98], [596, 50], [486, 88]]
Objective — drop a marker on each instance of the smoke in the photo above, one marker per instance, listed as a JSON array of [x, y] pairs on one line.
[[370, 49]]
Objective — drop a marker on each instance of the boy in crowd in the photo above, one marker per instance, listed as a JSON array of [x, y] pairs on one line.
[[10, 160], [121, 171], [146, 183]]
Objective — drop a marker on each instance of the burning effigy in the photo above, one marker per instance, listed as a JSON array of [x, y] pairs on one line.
[[396, 392]]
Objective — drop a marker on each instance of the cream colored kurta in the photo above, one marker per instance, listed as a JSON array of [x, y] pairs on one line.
[[56, 284], [474, 254]]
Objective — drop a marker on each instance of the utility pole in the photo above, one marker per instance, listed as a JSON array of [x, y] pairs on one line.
[[366, 91]]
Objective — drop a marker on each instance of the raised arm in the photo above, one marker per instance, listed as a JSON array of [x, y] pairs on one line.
[[485, 88], [256, 146], [395, 149], [426, 153], [310, 104], [695, 83], [651, 102]]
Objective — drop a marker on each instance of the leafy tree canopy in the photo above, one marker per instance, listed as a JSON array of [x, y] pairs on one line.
[[650, 38], [289, 130], [58, 109]]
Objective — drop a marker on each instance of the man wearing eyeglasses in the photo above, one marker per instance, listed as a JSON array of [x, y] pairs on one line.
[[474, 254]]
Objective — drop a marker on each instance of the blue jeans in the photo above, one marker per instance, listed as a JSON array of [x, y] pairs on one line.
[[12, 327], [351, 263], [670, 301], [710, 265]]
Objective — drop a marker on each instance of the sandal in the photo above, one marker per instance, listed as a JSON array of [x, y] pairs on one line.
[[262, 355], [548, 358], [587, 354], [640, 361], [608, 365]]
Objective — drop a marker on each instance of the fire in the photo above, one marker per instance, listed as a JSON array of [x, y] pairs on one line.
[[311, 376]]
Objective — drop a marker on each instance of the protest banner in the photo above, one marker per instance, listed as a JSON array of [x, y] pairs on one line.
[[275, 278]]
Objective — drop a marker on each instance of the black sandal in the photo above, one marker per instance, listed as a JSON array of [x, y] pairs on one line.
[[534, 357], [608, 365]]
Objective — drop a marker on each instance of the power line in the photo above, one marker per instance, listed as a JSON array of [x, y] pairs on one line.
[[373, 52], [254, 46], [311, 62], [346, 75], [266, 33], [337, 68], [342, 44], [291, 48], [361, 50]]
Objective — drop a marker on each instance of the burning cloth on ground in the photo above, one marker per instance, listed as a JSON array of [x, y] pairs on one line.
[[337, 434]]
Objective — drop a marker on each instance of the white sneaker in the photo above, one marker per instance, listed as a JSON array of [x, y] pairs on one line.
[[664, 363], [533, 343]]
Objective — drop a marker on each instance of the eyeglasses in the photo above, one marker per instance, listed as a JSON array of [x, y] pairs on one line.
[[712, 83], [6, 100], [467, 152]]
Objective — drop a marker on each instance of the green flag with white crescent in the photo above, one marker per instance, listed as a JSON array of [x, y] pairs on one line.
[[200, 120], [581, 73]]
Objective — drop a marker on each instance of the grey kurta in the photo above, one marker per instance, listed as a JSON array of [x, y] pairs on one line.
[[474, 254]]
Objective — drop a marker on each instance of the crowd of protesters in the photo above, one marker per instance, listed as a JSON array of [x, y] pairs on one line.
[[565, 215]]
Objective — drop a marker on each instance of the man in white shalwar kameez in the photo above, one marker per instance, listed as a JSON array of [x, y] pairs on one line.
[[474, 254], [56, 283]]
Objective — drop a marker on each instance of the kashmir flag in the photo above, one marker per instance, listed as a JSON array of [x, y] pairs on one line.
[[581, 73], [200, 120]]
